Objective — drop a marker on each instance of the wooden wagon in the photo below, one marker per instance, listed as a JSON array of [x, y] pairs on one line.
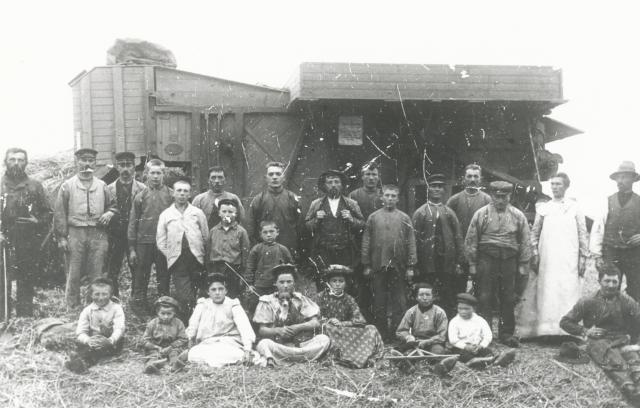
[[412, 118]]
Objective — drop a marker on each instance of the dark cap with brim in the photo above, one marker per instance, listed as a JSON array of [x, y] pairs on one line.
[[500, 188], [167, 301], [125, 156], [436, 179], [85, 151], [467, 299]]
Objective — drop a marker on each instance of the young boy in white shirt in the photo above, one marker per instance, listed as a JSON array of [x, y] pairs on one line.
[[470, 336]]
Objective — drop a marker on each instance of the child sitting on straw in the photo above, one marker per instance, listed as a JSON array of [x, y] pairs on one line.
[[219, 329], [470, 336], [165, 337], [100, 328], [424, 327]]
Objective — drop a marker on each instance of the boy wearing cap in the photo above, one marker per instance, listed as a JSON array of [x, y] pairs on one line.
[[439, 243], [100, 328], [498, 247], [124, 189], [470, 336], [164, 338], [228, 247], [388, 257], [615, 236], [83, 209]]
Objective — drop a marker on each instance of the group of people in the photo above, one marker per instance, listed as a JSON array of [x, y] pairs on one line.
[[212, 248]]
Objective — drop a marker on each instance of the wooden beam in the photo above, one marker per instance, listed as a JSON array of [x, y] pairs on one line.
[[240, 167], [86, 139], [198, 150], [118, 109], [149, 119]]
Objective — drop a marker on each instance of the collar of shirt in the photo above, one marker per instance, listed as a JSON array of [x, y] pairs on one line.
[[231, 226], [15, 184], [81, 186], [106, 307]]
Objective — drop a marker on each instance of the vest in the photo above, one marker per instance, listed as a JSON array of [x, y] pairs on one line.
[[622, 222], [333, 232]]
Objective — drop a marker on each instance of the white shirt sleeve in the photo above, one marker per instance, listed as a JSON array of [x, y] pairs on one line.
[[597, 233], [485, 331]]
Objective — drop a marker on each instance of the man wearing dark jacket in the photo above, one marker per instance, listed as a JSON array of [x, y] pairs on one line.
[[26, 216]]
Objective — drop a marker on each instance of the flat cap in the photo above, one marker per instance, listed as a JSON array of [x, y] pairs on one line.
[[467, 299], [167, 301], [85, 151], [125, 156], [501, 187], [437, 178]]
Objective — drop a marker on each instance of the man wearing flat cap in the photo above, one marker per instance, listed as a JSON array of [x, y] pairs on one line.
[[334, 221], [439, 244], [124, 189], [83, 210], [615, 236], [498, 247]]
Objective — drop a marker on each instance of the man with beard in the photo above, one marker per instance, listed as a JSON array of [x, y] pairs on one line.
[[465, 204], [334, 221], [610, 322], [143, 225], [83, 209], [26, 214], [498, 247], [276, 204], [124, 189], [616, 235], [288, 322], [208, 201], [440, 244]]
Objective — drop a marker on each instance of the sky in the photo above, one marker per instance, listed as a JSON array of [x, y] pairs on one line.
[[46, 44]]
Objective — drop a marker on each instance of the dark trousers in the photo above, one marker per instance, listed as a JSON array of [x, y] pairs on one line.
[[389, 292], [444, 281], [118, 250], [460, 281], [622, 367], [186, 272], [496, 278], [234, 286], [22, 264], [362, 291], [91, 356], [149, 254], [628, 261]]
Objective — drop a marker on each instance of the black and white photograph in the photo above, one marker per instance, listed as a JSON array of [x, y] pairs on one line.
[[319, 204]]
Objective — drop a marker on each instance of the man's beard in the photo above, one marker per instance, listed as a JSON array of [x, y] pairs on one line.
[[333, 192], [16, 172]]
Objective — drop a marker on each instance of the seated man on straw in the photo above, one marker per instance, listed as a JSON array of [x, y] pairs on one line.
[[610, 321], [288, 322]]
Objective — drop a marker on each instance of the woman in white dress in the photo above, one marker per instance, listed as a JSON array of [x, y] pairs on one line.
[[219, 330], [560, 248]]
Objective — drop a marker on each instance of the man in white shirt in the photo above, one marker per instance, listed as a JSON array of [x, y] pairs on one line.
[[181, 236]]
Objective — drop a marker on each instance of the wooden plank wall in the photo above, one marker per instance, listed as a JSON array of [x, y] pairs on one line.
[[134, 98], [427, 82], [77, 115], [184, 88]]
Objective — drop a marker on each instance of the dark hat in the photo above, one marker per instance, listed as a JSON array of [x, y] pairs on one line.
[[167, 301], [125, 156], [337, 270], [334, 173], [626, 167], [436, 179], [467, 299], [227, 201], [85, 151], [284, 268], [570, 353], [500, 187]]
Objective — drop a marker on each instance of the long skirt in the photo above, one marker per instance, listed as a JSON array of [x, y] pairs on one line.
[[356, 347], [217, 351]]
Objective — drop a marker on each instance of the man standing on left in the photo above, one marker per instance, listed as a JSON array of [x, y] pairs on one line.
[[83, 209], [124, 189], [26, 214]]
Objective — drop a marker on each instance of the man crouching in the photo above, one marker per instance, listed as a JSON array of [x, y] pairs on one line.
[[288, 322]]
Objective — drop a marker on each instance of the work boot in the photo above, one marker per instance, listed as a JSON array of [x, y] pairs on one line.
[[75, 364], [443, 367], [154, 366], [479, 363], [505, 358]]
